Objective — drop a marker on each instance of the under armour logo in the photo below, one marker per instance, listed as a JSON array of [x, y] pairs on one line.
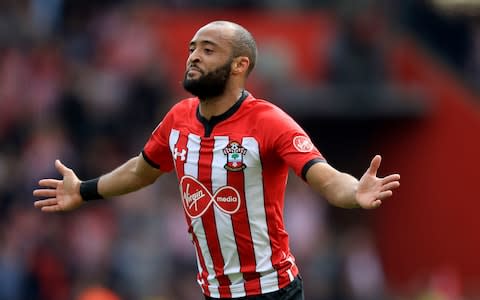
[[181, 154]]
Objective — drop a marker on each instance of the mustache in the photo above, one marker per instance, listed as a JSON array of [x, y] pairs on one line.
[[194, 68]]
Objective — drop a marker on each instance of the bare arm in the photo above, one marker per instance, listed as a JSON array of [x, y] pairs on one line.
[[344, 190], [64, 195], [131, 176]]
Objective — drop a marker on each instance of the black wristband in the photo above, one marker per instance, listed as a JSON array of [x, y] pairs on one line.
[[89, 190]]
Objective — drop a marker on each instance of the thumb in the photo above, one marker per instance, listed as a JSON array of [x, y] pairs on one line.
[[61, 168], [374, 165]]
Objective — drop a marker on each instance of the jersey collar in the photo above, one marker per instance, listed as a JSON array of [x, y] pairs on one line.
[[214, 120]]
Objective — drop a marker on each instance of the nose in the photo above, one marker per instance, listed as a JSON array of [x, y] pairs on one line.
[[194, 57]]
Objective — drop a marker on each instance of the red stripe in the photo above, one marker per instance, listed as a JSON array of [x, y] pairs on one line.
[[203, 276], [283, 277], [274, 218], [243, 237], [182, 144], [208, 219]]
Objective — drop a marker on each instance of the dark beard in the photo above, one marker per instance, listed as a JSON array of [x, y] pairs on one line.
[[209, 85]]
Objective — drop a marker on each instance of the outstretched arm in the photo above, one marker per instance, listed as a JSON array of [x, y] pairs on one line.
[[64, 194], [343, 190]]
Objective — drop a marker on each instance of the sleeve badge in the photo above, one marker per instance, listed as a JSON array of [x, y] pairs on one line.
[[302, 143]]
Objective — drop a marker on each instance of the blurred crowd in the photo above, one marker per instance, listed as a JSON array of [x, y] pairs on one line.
[[83, 82]]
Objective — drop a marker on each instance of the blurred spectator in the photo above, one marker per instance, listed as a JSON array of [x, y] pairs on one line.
[[437, 30], [357, 54], [312, 241], [358, 71], [97, 293], [363, 270]]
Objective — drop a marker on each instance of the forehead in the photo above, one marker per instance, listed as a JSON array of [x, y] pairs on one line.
[[213, 34]]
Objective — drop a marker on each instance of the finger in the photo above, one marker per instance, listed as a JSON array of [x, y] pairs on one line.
[[374, 165], [61, 167], [52, 208], [376, 203], [46, 202], [53, 183], [45, 193], [391, 185], [384, 195], [389, 178]]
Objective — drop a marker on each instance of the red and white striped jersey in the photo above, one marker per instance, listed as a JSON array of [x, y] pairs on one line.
[[232, 172]]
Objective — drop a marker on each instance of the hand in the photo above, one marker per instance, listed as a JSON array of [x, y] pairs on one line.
[[62, 195], [371, 190]]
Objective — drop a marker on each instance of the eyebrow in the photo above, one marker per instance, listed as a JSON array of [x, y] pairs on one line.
[[203, 42]]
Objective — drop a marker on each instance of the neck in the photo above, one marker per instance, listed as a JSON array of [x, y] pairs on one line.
[[218, 105]]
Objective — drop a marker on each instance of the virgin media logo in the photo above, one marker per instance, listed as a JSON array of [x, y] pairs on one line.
[[197, 199]]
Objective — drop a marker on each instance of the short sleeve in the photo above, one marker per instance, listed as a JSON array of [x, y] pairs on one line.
[[157, 149], [298, 151], [292, 144]]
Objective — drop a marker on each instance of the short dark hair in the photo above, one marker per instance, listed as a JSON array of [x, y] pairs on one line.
[[243, 43]]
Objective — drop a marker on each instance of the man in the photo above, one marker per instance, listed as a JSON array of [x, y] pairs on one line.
[[231, 153]]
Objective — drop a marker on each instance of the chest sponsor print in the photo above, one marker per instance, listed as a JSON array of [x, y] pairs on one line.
[[197, 199]]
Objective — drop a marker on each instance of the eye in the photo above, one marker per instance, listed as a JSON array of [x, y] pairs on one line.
[[208, 50], [190, 50]]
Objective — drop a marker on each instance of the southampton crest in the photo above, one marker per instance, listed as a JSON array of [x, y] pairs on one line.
[[234, 152]]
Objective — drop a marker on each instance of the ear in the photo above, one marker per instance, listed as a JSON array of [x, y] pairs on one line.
[[240, 65]]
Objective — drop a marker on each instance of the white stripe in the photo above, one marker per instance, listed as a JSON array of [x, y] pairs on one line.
[[191, 168], [214, 292], [269, 282], [290, 275], [173, 139], [200, 280], [257, 215], [193, 151], [223, 220]]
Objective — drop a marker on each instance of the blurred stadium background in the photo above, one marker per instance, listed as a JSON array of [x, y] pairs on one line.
[[87, 83]]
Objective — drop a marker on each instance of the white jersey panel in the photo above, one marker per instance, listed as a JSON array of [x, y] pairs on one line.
[[223, 220], [256, 211], [191, 169]]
